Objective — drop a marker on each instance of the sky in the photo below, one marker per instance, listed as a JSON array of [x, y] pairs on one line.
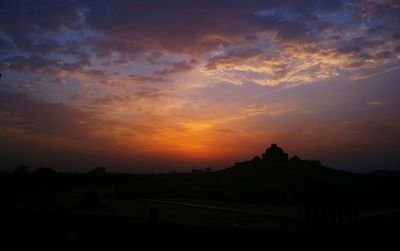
[[150, 86]]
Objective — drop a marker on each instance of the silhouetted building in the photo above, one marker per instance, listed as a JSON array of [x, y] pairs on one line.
[[45, 171], [274, 153], [98, 171], [326, 205], [256, 159], [295, 158], [205, 170]]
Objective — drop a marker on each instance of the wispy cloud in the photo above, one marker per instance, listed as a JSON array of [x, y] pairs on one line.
[[374, 73]]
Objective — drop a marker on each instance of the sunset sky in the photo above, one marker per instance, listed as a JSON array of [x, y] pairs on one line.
[[145, 86]]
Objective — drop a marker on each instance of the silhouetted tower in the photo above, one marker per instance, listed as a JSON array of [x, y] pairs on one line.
[[274, 153]]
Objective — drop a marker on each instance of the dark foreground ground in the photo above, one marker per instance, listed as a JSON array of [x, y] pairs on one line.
[[22, 229], [283, 206]]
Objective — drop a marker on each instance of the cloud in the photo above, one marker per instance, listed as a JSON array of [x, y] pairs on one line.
[[176, 67], [6, 45], [36, 64], [26, 42], [125, 97], [233, 58], [41, 118], [38, 16], [198, 27], [104, 47], [373, 73], [266, 42], [135, 78], [375, 103]]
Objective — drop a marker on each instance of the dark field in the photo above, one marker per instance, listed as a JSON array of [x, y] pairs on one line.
[[27, 229], [196, 211]]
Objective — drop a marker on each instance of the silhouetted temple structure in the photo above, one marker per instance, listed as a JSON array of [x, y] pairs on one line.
[[273, 178], [275, 156], [274, 153]]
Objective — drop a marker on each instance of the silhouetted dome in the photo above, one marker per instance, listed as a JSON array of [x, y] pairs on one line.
[[275, 153]]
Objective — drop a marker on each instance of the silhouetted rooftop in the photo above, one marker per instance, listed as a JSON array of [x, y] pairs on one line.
[[97, 171]]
